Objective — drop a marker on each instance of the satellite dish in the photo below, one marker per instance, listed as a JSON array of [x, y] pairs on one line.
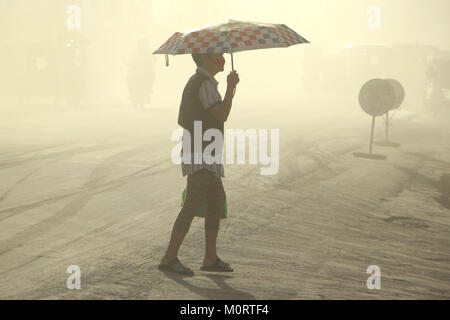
[[399, 93], [376, 97]]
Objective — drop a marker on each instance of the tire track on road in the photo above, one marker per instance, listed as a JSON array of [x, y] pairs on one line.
[[52, 156], [94, 188], [60, 156], [75, 205]]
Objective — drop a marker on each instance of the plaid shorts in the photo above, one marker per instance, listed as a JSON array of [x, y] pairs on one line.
[[202, 185]]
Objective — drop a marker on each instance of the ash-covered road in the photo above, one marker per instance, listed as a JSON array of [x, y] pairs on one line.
[[99, 191]]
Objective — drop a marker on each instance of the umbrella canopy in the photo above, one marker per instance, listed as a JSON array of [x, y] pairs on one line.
[[229, 37]]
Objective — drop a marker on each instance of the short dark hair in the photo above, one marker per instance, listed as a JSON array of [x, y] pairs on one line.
[[197, 59]]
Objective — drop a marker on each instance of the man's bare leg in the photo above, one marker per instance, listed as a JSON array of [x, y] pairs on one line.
[[176, 240], [210, 247]]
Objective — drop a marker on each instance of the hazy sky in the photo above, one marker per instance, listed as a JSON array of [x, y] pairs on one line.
[[322, 21], [113, 26]]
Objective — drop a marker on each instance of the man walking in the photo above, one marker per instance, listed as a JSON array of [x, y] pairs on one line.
[[202, 101]]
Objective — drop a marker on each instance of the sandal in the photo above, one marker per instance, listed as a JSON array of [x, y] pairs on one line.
[[218, 266], [176, 266], [223, 262]]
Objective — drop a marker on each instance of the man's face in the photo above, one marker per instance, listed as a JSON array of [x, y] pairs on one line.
[[216, 61]]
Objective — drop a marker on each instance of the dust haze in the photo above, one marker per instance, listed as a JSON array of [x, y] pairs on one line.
[[86, 118]]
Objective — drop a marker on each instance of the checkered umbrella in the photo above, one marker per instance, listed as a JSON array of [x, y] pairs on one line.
[[229, 37]]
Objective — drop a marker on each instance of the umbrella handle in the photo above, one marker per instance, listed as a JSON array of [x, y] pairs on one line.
[[232, 69], [232, 63]]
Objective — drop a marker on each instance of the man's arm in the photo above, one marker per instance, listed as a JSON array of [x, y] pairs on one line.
[[222, 109]]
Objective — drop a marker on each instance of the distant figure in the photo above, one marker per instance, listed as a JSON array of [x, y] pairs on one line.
[[438, 75], [202, 101], [141, 75], [72, 67]]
